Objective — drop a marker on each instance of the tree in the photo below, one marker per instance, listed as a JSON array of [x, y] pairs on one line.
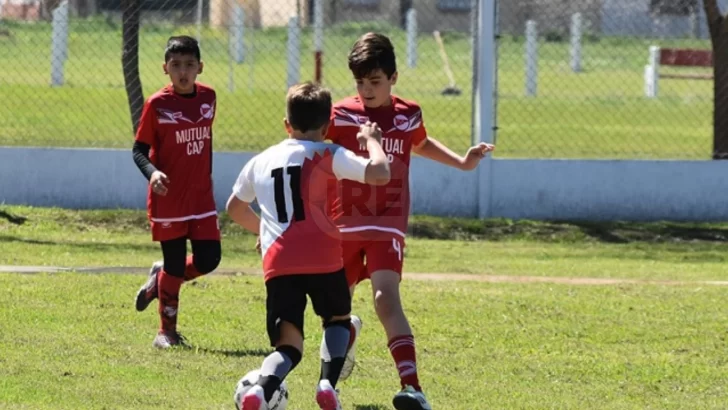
[[718, 28], [130, 59]]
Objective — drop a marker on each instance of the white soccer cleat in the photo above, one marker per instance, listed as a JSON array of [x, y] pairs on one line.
[[167, 340], [350, 360], [326, 396], [410, 399]]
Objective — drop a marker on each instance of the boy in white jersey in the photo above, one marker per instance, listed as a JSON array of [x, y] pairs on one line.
[[300, 244]]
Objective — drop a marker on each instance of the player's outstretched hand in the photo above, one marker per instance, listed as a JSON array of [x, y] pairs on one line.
[[159, 182], [475, 154], [370, 130], [257, 245]]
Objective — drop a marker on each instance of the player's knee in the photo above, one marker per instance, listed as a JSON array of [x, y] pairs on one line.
[[174, 267], [208, 260], [207, 264], [387, 303], [294, 354]]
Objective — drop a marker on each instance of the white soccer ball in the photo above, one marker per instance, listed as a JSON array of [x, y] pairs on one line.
[[279, 401]]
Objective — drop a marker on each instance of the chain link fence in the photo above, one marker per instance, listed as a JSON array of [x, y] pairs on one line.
[[62, 83], [576, 78], [592, 79]]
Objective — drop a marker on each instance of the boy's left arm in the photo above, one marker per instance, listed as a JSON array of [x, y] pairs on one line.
[[437, 151]]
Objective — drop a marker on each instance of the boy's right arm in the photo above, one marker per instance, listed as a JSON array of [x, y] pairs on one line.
[[140, 151], [143, 142], [238, 205]]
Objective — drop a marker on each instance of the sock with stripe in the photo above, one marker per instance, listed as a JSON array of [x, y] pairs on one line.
[[402, 349]]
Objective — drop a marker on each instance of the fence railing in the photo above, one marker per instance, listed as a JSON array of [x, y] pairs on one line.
[[575, 78]]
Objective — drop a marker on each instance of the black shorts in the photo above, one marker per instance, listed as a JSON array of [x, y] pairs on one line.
[[286, 299]]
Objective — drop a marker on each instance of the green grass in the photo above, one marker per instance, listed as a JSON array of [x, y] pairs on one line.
[[73, 341], [599, 113], [657, 251]]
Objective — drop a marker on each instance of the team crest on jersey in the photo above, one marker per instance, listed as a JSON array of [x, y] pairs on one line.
[[171, 117], [344, 118], [207, 111], [401, 122]]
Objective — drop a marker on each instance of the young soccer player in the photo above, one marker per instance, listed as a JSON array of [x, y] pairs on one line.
[[373, 220], [300, 245], [173, 149]]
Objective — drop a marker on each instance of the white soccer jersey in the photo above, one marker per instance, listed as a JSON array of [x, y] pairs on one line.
[[292, 181]]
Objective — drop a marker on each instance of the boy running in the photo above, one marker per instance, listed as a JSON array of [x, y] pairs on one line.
[[300, 245], [173, 149], [373, 220]]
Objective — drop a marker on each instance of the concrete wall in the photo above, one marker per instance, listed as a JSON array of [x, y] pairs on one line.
[[551, 15], [221, 12], [604, 17], [337, 11], [430, 18], [633, 18], [511, 188], [260, 13], [610, 190], [90, 178], [26, 10]]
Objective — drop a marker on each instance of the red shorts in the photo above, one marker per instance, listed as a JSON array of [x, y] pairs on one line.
[[381, 250], [205, 229]]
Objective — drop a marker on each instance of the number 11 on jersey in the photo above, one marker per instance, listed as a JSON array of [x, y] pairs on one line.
[[280, 195]]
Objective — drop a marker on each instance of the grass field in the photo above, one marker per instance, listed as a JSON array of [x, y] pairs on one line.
[[73, 341], [600, 113]]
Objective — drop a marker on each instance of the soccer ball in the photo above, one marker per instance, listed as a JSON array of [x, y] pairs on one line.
[[279, 401]]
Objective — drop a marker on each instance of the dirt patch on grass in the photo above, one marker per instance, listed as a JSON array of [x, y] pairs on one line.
[[459, 277]]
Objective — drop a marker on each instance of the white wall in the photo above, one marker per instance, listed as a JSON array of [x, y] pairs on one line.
[[610, 190], [528, 189]]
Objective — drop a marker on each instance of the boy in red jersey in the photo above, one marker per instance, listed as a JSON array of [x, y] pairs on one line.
[[300, 245], [373, 220], [173, 149]]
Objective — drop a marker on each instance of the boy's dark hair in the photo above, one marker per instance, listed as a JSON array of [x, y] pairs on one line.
[[372, 51], [308, 107], [182, 45]]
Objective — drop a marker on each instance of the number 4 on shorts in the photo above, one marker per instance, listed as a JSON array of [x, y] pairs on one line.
[[397, 248]]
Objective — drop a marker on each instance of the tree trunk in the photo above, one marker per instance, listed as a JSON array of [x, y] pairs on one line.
[[719, 40], [130, 59], [720, 95]]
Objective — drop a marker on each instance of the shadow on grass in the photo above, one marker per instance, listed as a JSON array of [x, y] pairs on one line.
[[624, 232], [567, 231], [102, 247], [235, 353], [15, 220]]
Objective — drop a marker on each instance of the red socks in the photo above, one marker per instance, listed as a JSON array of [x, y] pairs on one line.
[[169, 287], [191, 272], [402, 349]]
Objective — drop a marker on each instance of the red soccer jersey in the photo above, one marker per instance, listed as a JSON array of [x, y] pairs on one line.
[[358, 207], [179, 131]]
